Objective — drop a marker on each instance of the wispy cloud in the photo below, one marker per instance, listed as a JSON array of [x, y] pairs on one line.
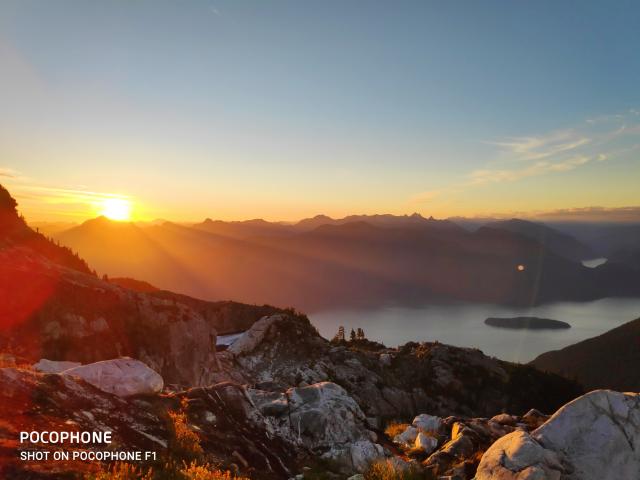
[[484, 176], [540, 147], [596, 140]]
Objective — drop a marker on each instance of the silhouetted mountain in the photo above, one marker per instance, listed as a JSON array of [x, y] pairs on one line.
[[629, 257], [315, 222], [556, 241], [473, 223], [347, 264], [244, 229], [608, 361], [392, 221], [603, 238]]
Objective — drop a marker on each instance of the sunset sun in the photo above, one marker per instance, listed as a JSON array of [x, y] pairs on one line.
[[116, 209]]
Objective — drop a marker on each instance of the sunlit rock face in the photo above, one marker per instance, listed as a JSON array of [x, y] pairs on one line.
[[121, 376], [595, 437]]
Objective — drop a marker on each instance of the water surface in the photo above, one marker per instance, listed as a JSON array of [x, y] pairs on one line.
[[463, 325]]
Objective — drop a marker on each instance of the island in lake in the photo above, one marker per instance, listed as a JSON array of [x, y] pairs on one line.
[[529, 323]]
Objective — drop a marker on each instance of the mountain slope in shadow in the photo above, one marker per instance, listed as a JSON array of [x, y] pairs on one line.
[[363, 261], [609, 360], [560, 243]]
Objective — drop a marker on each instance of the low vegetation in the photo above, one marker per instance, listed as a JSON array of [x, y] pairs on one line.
[[191, 471], [390, 470], [395, 428], [185, 461], [184, 442]]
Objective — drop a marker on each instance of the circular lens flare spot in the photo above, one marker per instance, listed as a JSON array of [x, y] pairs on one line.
[[116, 209], [520, 268]]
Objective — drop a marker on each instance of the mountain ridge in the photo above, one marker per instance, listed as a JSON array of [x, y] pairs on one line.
[[346, 263]]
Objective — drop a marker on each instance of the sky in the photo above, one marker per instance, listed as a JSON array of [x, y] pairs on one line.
[[287, 109]]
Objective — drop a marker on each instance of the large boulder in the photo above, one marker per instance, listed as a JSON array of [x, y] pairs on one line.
[[595, 437], [518, 456], [121, 376]]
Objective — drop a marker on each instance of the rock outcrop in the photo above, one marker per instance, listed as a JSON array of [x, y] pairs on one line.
[[452, 446], [285, 350], [124, 377], [226, 425], [595, 437]]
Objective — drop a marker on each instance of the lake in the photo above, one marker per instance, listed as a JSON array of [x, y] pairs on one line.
[[463, 325]]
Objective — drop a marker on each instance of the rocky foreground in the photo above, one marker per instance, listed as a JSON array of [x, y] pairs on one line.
[[285, 402]]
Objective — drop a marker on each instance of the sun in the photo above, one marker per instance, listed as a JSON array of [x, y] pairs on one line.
[[116, 209]]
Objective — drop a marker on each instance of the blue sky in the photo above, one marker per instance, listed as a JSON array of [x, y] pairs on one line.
[[286, 109]]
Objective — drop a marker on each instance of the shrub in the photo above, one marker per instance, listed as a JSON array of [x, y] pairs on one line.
[[185, 441], [388, 470], [193, 471], [122, 471], [395, 428]]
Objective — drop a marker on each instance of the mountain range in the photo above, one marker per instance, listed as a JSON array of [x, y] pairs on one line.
[[361, 260]]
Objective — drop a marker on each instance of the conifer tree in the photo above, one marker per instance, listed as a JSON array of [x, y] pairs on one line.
[[339, 336]]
